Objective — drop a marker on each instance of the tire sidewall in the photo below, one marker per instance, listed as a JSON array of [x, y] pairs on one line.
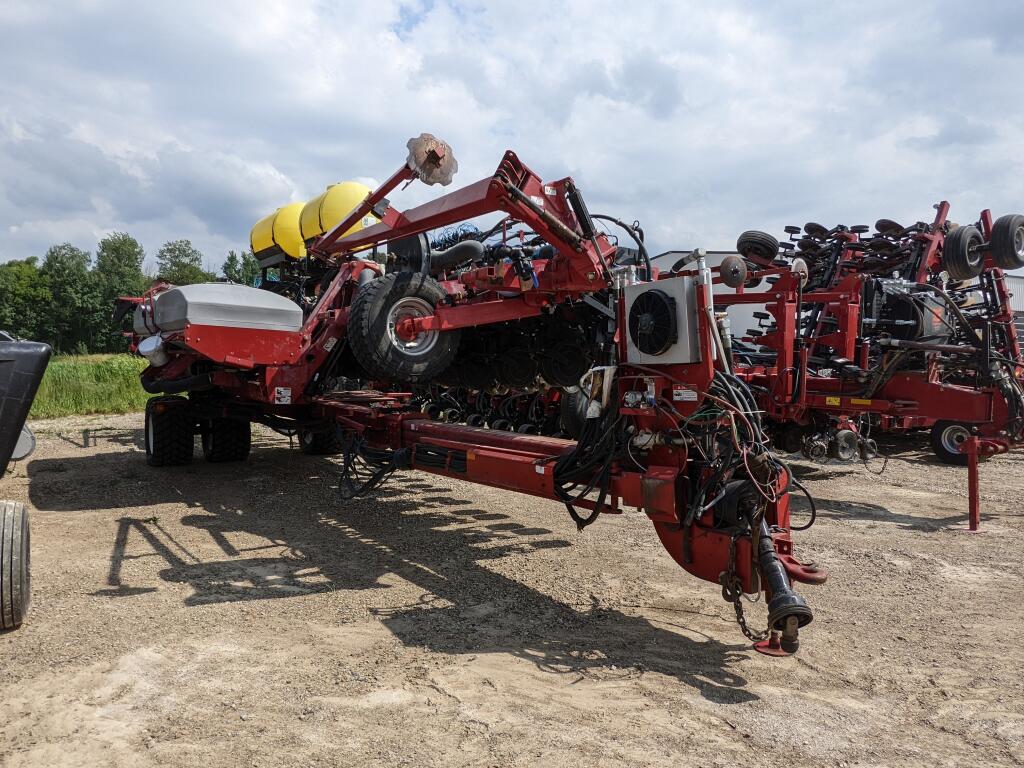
[[368, 329]]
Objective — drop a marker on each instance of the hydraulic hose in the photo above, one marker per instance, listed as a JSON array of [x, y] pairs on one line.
[[648, 272], [174, 386]]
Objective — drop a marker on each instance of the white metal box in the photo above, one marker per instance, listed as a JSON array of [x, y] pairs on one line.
[[686, 348]]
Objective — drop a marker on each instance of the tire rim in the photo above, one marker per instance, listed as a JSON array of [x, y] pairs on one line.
[[411, 307], [149, 435], [953, 437], [1018, 243], [974, 255]]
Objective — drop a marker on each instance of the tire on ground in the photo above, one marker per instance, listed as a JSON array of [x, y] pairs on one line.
[[15, 565], [945, 437], [320, 443], [371, 329], [960, 255], [170, 431], [226, 440], [1008, 241]]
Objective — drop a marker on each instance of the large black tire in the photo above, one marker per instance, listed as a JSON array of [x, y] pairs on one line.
[[758, 246], [961, 257], [170, 432], [15, 565], [572, 412], [226, 440], [945, 438], [371, 333], [1008, 241], [320, 443]]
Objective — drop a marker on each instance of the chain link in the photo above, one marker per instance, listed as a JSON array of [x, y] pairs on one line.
[[732, 592]]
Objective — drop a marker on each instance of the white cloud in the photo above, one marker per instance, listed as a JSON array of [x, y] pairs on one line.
[[192, 120]]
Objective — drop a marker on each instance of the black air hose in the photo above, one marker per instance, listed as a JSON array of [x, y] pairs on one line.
[[637, 238], [174, 386], [439, 261]]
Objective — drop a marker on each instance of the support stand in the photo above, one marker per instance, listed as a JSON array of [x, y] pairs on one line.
[[771, 646], [970, 447]]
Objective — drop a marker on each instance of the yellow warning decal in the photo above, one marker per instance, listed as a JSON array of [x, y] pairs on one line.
[[859, 401], [832, 401]]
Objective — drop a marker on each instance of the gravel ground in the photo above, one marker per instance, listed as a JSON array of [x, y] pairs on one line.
[[243, 615]]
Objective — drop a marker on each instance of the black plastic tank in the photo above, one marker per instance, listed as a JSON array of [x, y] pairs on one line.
[[22, 364]]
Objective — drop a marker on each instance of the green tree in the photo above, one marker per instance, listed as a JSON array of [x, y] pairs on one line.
[[119, 266], [66, 325], [26, 298], [180, 263], [117, 272], [241, 267]]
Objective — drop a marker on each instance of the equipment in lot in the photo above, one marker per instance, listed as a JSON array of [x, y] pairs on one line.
[[910, 327], [541, 303], [22, 364]]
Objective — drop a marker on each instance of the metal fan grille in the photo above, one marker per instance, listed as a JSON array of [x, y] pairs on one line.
[[652, 322]]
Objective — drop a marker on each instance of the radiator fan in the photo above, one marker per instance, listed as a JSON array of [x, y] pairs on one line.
[[652, 322]]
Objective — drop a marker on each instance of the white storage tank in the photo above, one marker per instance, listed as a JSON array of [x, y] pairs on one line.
[[220, 304]]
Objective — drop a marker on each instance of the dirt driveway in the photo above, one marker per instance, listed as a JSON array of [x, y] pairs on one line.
[[243, 615]]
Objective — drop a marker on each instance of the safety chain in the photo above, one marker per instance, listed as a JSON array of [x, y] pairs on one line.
[[732, 592]]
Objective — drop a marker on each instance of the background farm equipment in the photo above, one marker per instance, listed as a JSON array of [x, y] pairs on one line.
[[509, 322], [908, 328], [22, 364]]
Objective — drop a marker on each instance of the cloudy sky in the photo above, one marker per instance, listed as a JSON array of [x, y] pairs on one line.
[[193, 119]]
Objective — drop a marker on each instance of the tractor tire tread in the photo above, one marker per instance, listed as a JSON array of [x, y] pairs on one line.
[[227, 440], [320, 443], [1003, 251], [762, 246], [15, 562], [367, 329], [956, 257], [173, 436]]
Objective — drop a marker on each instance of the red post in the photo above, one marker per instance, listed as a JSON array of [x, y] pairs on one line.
[[970, 447]]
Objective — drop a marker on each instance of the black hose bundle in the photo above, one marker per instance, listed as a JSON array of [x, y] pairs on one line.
[[364, 468], [589, 464]]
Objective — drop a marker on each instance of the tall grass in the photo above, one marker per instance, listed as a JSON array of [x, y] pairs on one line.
[[80, 384]]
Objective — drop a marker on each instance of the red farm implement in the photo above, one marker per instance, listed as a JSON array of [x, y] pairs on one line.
[[908, 328], [668, 428]]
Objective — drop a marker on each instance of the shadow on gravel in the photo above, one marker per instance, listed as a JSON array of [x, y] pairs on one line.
[[411, 529], [91, 437], [855, 510]]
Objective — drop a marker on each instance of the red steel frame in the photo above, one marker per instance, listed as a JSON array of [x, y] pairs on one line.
[[908, 398], [524, 463], [265, 365], [286, 361]]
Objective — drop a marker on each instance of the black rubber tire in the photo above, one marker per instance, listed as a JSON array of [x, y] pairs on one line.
[[942, 439], [1008, 241], [758, 246], [368, 329], [843, 445], [226, 440], [15, 565], [320, 443], [572, 412], [170, 432], [960, 256]]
